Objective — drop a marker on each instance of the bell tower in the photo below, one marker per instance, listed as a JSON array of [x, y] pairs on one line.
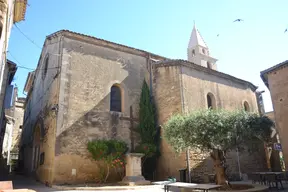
[[198, 51]]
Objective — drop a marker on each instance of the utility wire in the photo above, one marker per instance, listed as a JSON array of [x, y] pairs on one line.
[[27, 37], [23, 67], [33, 42]]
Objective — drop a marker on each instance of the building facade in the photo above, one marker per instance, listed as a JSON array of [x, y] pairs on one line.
[[7, 121], [276, 156], [276, 80], [14, 112], [83, 86], [12, 11]]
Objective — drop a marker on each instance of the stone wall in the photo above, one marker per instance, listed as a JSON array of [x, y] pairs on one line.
[[167, 94], [88, 72], [278, 85], [40, 117], [228, 94]]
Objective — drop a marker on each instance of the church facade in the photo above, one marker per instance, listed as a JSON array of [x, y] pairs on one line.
[[85, 88]]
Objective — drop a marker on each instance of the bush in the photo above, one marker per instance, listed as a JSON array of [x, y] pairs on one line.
[[101, 149], [111, 152]]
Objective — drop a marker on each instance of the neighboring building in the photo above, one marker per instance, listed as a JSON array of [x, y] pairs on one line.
[[7, 85], [276, 160], [11, 11], [14, 113], [276, 79], [84, 85], [17, 130]]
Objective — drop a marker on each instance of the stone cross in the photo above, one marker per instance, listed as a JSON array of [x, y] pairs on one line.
[[132, 129]]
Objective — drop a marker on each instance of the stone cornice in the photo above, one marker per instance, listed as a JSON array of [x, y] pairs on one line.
[[264, 74], [19, 10], [185, 63], [104, 43]]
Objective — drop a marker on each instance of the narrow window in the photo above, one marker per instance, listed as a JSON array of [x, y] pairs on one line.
[[246, 106], [45, 66], [211, 101], [115, 99]]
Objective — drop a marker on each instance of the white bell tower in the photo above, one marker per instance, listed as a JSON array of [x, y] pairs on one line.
[[198, 51]]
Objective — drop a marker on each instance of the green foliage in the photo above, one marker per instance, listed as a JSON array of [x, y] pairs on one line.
[[216, 130], [148, 132], [107, 150], [147, 125], [147, 149], [111, 152], [98, 149]]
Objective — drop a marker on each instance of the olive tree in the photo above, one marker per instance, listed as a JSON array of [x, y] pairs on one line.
[[217, 131]]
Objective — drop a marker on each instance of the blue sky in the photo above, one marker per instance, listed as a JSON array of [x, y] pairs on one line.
[[163, 27]]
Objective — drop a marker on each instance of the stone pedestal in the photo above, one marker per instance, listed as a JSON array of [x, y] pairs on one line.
[[134, 170]]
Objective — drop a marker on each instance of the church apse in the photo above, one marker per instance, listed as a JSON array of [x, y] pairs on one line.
[[183, 87]]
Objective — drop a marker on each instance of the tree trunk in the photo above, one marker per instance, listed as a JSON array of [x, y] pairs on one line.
[[218, 157], [108, 173], [268, 152]]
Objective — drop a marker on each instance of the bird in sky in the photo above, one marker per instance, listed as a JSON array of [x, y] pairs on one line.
[[238, 20], [218, 35], [286, 30]]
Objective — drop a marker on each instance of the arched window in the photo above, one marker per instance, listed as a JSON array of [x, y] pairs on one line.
[[211, 104], [246, 106], [115, 99], [46, 62]]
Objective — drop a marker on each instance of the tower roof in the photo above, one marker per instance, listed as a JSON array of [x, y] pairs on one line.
[[196, 39]]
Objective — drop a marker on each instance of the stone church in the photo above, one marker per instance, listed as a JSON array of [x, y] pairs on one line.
[[83, 87]]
